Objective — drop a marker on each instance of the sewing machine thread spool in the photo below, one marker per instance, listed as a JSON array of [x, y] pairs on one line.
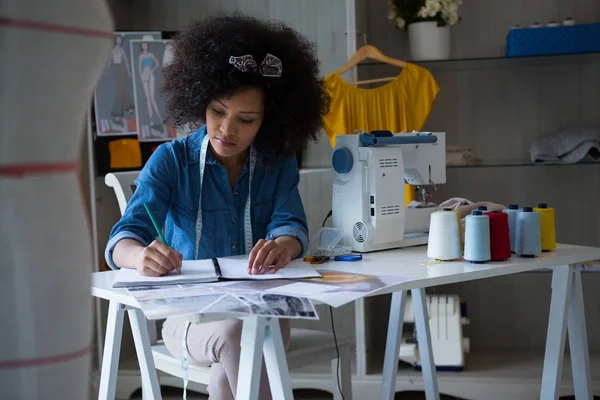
[[460, 228], [477, 238], [499, 236], [444, 237], [528, 241], [547, 226], [511, 212]]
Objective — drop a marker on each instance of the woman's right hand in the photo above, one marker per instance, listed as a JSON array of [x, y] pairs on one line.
[[158, 259]]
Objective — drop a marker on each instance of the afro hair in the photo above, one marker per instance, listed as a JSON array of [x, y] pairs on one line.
[[295, 102]]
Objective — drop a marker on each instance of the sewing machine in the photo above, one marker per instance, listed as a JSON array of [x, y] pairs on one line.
[[446, 318], [368, 189]]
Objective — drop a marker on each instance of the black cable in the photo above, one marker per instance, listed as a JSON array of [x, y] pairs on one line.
[[337, 348], [326, 218]]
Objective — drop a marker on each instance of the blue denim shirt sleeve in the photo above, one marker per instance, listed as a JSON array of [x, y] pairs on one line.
[[153, 187], [288, 217]]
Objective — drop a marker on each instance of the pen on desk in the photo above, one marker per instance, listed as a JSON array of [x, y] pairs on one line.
[[160, 235]]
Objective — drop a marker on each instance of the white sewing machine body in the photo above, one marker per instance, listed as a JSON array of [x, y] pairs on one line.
[[445, 323], [368, 188]]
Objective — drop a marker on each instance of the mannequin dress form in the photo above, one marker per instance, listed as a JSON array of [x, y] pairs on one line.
[[52, 56]]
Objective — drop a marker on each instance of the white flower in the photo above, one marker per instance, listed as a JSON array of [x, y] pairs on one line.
[[391, 14]]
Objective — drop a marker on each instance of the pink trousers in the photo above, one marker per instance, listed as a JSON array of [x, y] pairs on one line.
[[217, 344]]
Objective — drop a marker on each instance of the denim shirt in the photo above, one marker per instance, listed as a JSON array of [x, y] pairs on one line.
[[169, 184]]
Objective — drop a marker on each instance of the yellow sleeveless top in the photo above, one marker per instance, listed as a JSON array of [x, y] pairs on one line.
[[401, 105]]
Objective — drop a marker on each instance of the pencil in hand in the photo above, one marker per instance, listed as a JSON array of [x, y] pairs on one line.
[[160, 235]]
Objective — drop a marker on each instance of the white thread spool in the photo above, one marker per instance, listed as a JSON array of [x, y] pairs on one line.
[[444, 236], [477, 237], [528, 241], [512, 211]]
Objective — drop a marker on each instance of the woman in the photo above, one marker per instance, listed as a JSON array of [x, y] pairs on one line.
[[147, 64], [231, 187]]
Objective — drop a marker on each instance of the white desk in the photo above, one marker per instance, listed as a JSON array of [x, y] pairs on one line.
[[566, 309], [566, 313], [260, 337]]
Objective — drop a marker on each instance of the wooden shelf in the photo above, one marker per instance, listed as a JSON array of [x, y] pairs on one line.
[[520, 163], [499, 61]]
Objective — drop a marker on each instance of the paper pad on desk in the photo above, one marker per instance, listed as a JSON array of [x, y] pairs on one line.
[[203, 271]]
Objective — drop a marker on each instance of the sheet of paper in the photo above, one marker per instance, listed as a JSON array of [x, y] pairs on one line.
[[197, 271], [303, 289], [237, 268], [164, 301]]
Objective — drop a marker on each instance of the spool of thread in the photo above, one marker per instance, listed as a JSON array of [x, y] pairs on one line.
[[499, 236], [511, 212], [477, 237], [444, 236], [482, 208], [528, 241], [460, 229], [547, 227]]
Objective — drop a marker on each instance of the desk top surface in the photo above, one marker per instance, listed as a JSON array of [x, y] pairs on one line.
[[411, 263]]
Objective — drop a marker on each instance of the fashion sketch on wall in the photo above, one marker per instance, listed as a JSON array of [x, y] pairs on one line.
[[114, 101], [148, 58]]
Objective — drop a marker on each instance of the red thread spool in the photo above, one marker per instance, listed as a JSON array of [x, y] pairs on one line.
[[499, 236]]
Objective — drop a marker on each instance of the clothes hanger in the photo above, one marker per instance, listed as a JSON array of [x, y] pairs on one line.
[[369, 51]]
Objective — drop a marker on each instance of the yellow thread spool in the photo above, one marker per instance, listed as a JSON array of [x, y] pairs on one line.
[[547, 226], [409, 194]]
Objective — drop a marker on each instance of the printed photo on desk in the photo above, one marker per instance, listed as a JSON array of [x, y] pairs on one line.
[[163, 307], [149, 57], [114, 103], [163, 301], [264, 304]]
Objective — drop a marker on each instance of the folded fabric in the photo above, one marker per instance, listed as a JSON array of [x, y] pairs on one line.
[[569, 146], [465, 206]]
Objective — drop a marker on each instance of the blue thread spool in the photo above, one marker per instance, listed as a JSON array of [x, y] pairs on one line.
[[477, 238], [512, 211], [528, 240]]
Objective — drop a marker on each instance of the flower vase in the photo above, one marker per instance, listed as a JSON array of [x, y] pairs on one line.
[[428, 41]]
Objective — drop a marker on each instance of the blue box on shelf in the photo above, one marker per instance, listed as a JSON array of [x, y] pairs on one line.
[[584, 38]]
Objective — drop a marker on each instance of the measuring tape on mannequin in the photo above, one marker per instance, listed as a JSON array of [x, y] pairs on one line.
[[247, 243]]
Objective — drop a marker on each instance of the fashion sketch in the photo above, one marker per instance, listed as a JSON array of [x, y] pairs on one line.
[[149, 56], [123, 101], [147, 64], [114, 103]]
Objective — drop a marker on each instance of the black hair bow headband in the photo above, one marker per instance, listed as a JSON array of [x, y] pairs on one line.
[[269, 67]]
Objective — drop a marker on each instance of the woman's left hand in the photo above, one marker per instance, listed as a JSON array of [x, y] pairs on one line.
[[271, 255]]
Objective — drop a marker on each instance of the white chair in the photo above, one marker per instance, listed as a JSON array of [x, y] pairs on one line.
[[308, 347]]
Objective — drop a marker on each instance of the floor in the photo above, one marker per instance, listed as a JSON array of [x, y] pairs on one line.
[[176, 394]]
